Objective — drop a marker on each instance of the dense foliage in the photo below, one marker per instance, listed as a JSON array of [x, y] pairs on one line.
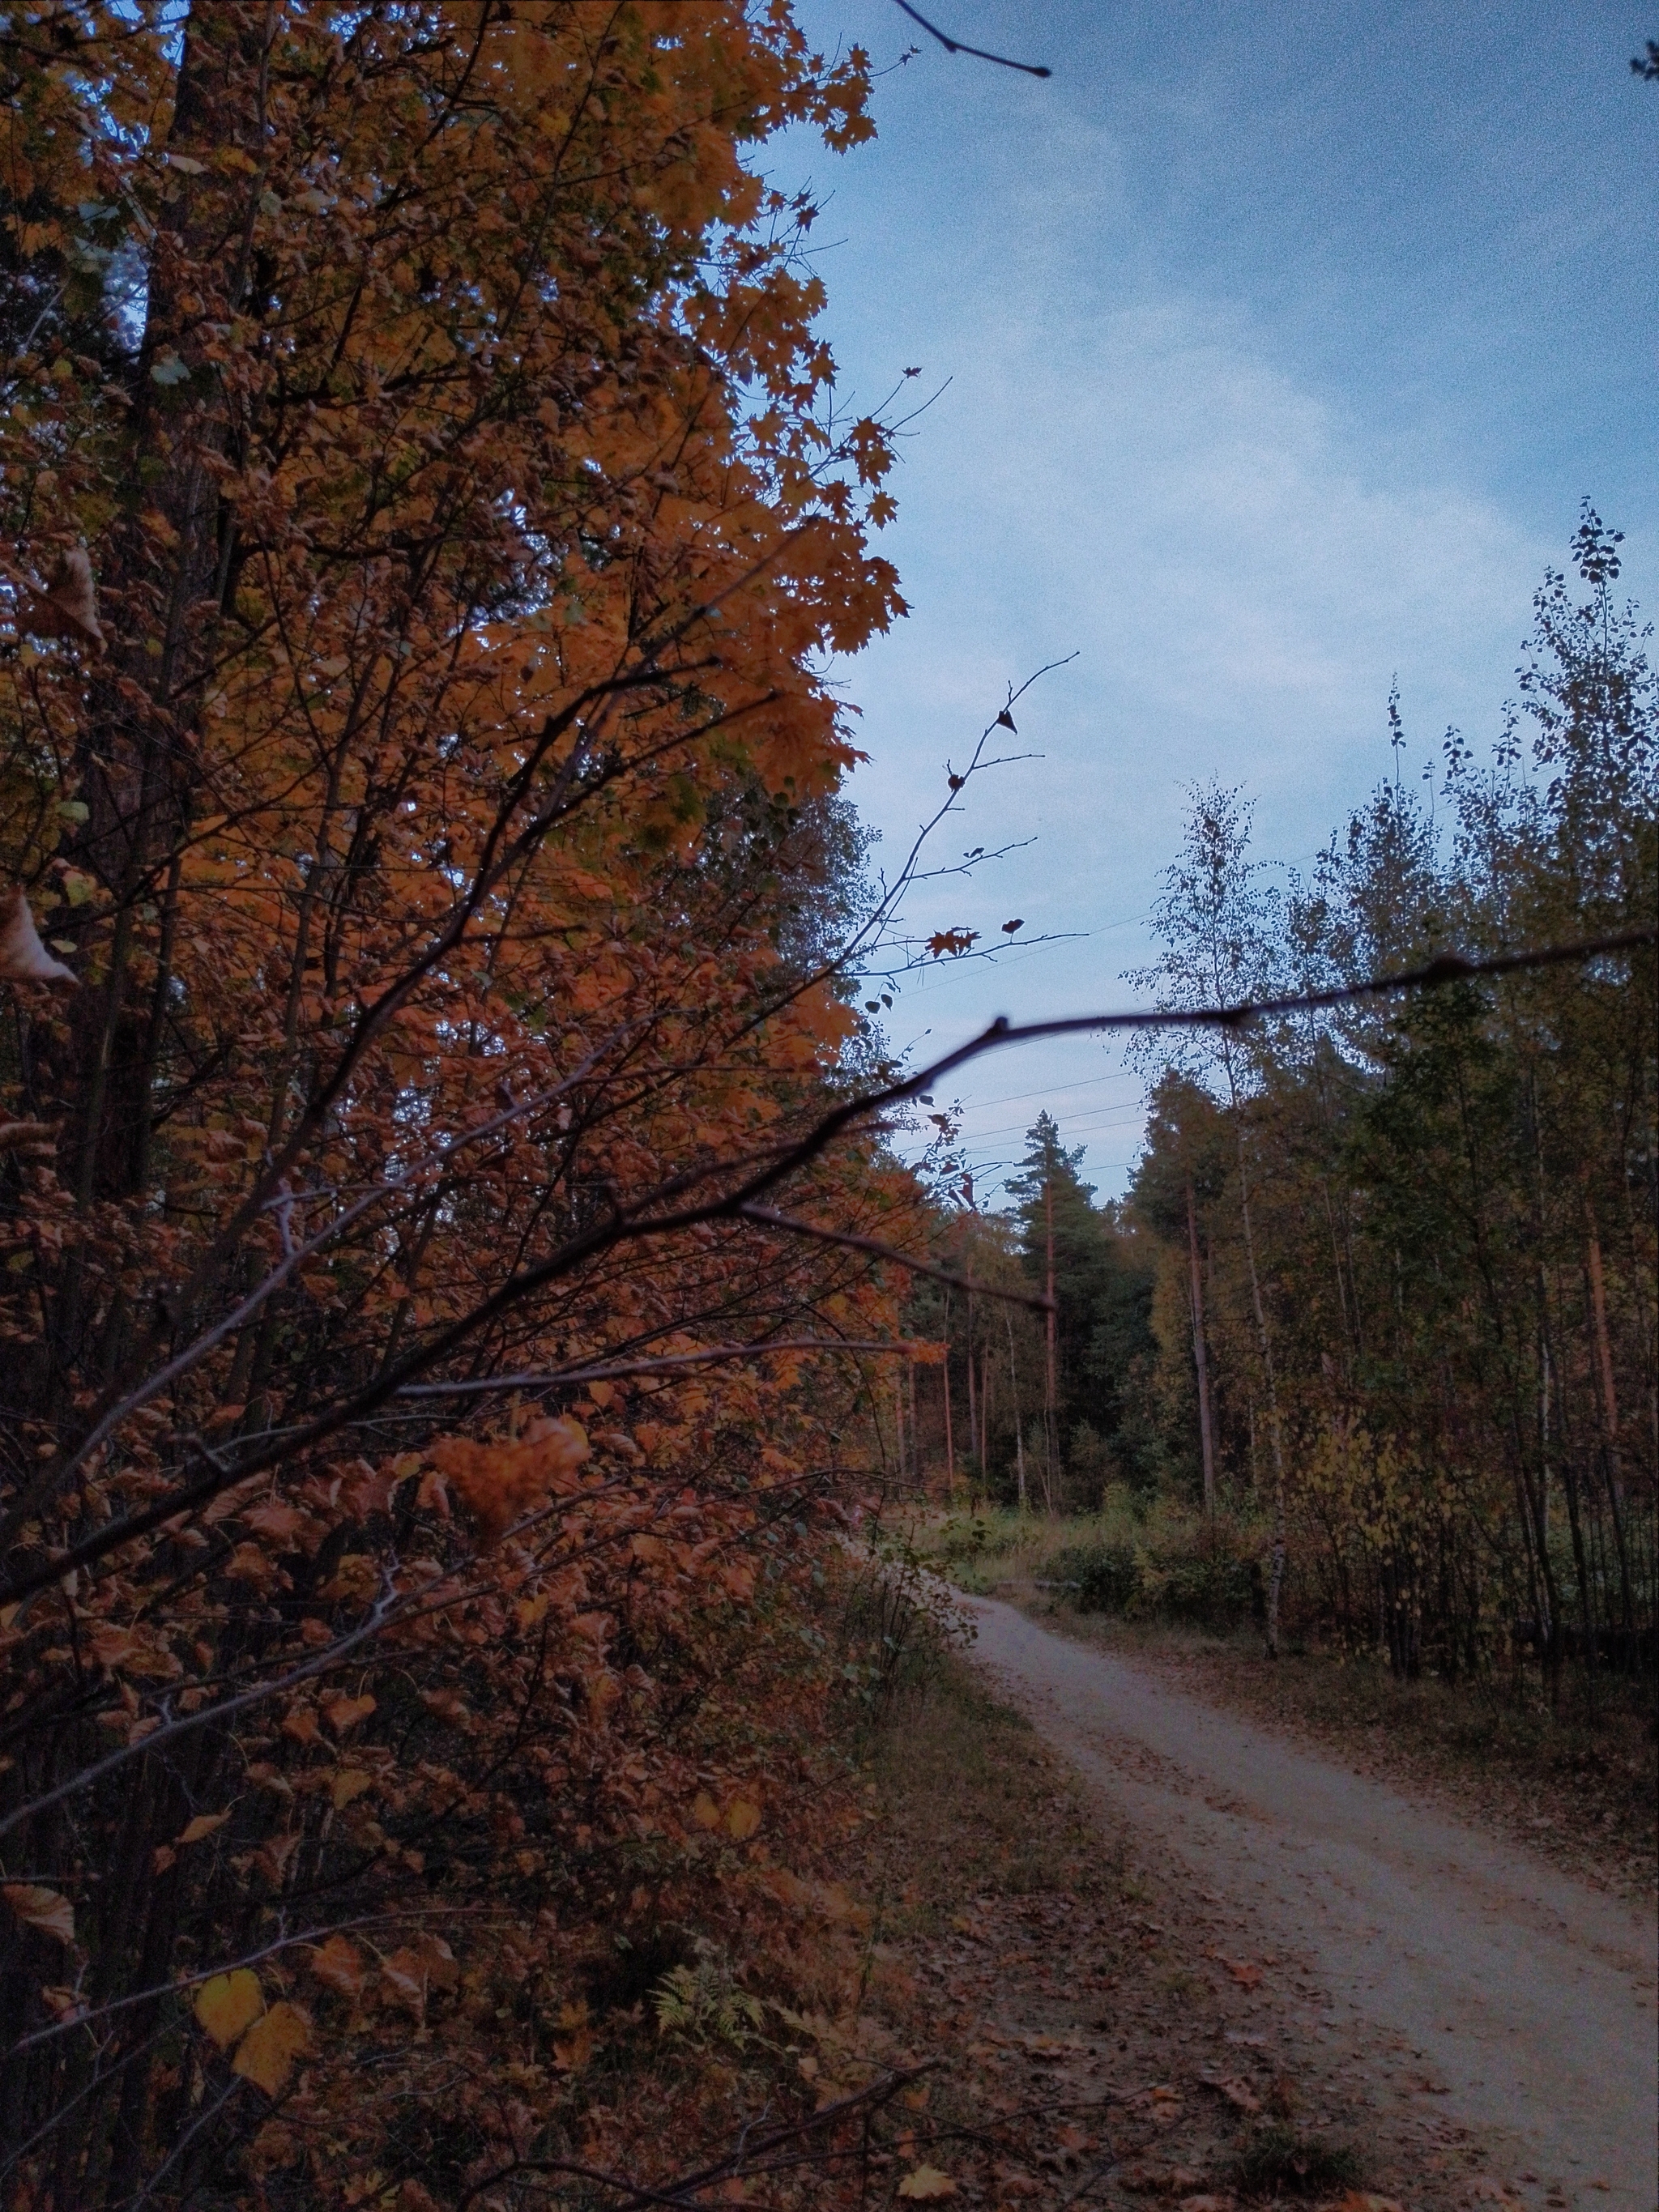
[[423, 861]]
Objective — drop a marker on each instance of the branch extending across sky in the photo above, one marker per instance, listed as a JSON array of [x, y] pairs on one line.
[[641, 1221], [980, 54]]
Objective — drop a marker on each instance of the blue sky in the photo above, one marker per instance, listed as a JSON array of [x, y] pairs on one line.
[[1282, 343]]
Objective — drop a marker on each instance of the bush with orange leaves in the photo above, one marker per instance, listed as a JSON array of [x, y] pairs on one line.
[[430, 806]]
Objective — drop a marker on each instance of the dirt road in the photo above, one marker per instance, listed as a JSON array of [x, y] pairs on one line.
[[1450, 1966]]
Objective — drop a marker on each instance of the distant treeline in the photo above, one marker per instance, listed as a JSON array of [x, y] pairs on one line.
[[1386, 1277]]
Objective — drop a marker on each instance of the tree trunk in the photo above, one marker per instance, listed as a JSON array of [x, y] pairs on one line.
[[1206, 1430], [973, 1401], [1609, 1402], [1275, 1429], [1019, 1435], [1050, 1407], [949, 1451]]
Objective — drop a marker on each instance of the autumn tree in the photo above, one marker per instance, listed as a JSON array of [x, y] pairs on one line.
[[424, 1038]]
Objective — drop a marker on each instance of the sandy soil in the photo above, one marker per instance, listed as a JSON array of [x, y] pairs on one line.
[[1469, 1986]]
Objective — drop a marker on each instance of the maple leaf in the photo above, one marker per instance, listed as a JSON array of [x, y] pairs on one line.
[[926, 2184]]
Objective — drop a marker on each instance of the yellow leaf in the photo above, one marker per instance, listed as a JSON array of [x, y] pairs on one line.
[[228, 2003], [351, 1782], [926, 2183], [267, 2052], [704, 1811], [743, 1817], [41, 1908], [202, 1825]]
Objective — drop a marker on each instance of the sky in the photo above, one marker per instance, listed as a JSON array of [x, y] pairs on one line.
[[1278, 346]]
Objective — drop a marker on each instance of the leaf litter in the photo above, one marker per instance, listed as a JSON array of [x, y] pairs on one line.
[[1096, 2045]]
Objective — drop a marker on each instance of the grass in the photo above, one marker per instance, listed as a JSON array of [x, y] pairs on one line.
[[974, 1806], [1277, 2161]]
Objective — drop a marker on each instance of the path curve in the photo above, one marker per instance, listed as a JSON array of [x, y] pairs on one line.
[[1529, 1997]]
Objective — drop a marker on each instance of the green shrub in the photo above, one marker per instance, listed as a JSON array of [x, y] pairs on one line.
[[1106, 1575], [1155, 1582]]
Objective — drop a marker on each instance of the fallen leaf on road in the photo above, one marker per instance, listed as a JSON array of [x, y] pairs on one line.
[[1244, 1971], [926, 2183], [1238, 2094]]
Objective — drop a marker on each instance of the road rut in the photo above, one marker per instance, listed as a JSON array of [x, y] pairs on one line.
[[1525, 2001]]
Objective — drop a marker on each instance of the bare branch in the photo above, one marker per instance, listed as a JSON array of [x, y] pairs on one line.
[[956, 46], [635, 1223], [767, 1218], [473, 1386]]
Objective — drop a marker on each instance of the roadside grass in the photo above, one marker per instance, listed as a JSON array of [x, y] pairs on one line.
[[974, 1806], [1583, 1789], [1063, 1971]]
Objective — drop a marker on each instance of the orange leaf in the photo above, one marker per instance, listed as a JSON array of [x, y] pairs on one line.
[[266, 2053], [704, 1811], [1244, 1971], [202, 1825], [350, 1783], [743, 1817], [40, 1908], [338, 1966], [343, 1713]]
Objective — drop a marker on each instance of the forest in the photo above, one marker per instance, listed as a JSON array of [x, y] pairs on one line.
[[464, 1305], [1380, 1305]]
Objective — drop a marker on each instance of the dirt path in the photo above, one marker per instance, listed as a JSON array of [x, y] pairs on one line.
[[1446, 1966]]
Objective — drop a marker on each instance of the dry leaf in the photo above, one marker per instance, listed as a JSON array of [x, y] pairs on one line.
[[704, 1811], [40, 1908], [68, 606], [266, 2054], [23, 959], [1244, 1971], [338, 1966], [343, 1713], [202, 1825], [228, 2003], [16, 1135], [348, 1783], [273, 1856], [925, 2183], [743, 1817], [1239, 2093]]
